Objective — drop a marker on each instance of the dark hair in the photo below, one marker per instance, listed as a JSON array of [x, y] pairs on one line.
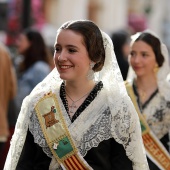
[[155, 44], [92, 38], [119, 39], [37, 51]]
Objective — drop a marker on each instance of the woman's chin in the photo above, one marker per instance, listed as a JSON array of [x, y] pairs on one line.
[[64, 77]]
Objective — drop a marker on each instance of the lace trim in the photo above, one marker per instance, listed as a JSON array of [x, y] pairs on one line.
[[88, 132], [158, 117], [18, 138], [97, 133], [37, 133]]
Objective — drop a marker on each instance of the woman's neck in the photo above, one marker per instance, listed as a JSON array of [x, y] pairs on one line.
[[146, 86], [76, 93], [77, 89], [146, 83]]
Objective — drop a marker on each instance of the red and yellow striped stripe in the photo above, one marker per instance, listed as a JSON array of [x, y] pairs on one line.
[[73, 163], [155, 150]]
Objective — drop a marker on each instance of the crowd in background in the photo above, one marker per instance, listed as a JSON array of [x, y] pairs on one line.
[[19, 75]]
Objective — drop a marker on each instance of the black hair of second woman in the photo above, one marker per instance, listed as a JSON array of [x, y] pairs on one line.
[[37, 51], [155, 44], [92, 38]]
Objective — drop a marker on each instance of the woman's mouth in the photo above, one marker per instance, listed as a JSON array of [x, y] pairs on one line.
[[137, 68], [64, 67]]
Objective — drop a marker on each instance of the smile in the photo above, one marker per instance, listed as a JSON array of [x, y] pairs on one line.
[[64, 67]]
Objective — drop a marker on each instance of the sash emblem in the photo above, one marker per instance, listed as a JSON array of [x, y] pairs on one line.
[[50, 118], [57, 135]]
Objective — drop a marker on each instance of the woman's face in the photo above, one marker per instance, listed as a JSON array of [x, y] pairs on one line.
[[142, 58], [71, 57], [22, 43]]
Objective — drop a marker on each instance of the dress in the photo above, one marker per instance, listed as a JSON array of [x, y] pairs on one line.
[[107, 155], [154, 114], [156, 111], [105, 129]]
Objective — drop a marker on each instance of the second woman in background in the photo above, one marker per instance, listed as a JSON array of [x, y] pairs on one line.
[[149, 89], [35, 65]]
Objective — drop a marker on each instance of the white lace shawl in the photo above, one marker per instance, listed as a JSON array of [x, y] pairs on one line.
[[124, 122]]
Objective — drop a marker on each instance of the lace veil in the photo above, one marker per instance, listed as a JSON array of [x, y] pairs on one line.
[[113, 83], [163, 74]]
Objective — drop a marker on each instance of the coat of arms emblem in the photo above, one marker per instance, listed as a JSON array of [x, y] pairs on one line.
[[49, 117]]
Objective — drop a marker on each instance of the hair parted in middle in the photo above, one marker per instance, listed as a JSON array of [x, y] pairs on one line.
[[92, 38]]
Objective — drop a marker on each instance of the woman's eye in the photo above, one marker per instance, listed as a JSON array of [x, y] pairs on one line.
[[57, 49], [132, 54], [72, 50], [144, 55]]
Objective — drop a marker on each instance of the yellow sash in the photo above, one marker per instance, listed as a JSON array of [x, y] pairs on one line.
[[57, 134], [154, 148]]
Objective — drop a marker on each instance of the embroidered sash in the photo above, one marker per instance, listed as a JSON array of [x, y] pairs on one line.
[[154, 148], [57, 134]]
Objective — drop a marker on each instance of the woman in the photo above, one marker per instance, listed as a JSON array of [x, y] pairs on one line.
[[81, 116], [35, 64], [149, 89]]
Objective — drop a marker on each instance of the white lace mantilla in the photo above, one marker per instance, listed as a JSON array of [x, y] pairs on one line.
[[88, 130], [157, 114]]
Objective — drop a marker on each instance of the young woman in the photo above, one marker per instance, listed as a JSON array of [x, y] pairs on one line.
[[35, 64], [149, 88], [80, 116]]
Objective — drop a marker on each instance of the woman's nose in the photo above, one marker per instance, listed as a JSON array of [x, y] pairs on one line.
[[137, 59], [62, 56]]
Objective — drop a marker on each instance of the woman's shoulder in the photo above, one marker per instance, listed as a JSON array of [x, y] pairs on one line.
[[41, 65], [38, 69]]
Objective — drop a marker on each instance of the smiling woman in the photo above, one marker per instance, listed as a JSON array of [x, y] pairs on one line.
[[149, 88], [80, 116]]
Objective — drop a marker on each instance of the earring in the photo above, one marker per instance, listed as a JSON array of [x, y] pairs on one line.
[[156, 68], [90, 75]]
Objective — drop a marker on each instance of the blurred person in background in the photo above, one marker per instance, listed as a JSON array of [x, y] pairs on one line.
[[148, 85], [36, 63], [7, 93], [121, 42]]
